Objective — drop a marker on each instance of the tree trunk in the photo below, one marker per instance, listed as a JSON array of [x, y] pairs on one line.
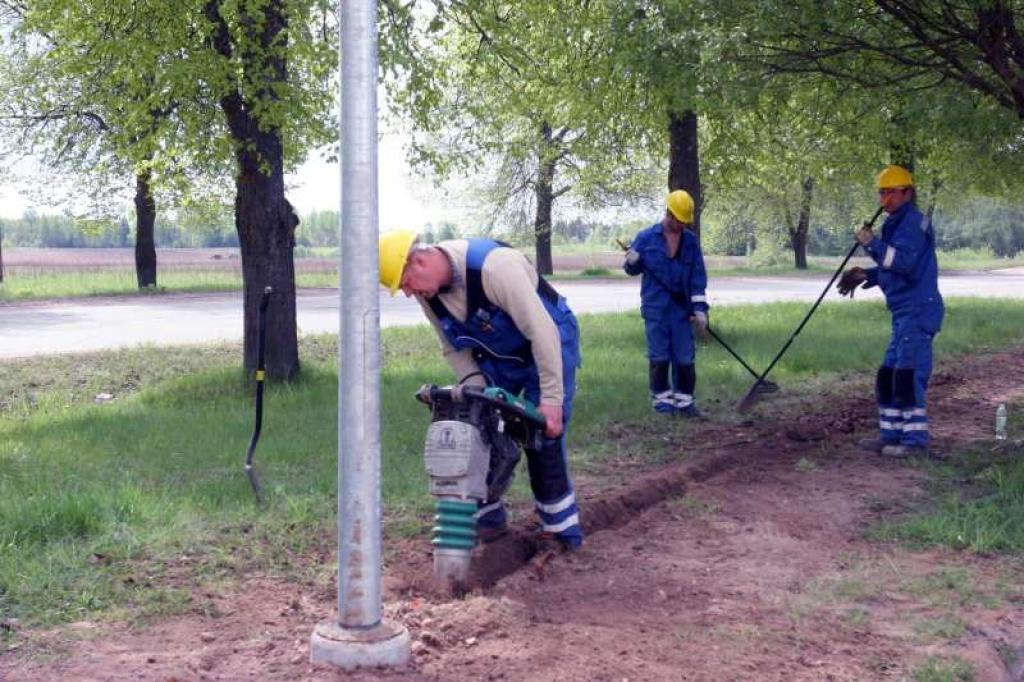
[[266, 224], [264, 219], [544, 193], [798, 234], [684, 160], [1, 253], [145, 218]]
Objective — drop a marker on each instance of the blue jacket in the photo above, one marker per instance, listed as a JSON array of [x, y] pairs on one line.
[[907, 271], [669, 282]]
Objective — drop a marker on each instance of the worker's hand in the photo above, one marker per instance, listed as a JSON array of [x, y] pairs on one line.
[[632, 257], [850, 280], [699, 320], [553, 416], [865, 235]]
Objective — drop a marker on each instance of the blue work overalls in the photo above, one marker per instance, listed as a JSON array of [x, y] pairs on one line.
[[671, 290], [908, 274], [503, 354]]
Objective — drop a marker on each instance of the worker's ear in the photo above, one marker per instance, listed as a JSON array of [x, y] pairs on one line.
[[416, 258]]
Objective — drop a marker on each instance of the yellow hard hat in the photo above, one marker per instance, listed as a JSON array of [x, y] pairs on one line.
[[895, 177], [393, 250], [681, 204]]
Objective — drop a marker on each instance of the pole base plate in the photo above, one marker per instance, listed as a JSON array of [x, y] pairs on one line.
[[386, 644]]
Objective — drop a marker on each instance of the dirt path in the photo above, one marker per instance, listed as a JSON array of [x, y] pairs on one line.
[[745, 563]]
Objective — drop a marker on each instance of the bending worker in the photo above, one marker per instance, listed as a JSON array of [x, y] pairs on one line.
[[500, 322], [908, 273], [671, 298]]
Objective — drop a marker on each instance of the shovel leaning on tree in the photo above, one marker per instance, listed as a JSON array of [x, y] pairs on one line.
[[261, 346], [764, 386]]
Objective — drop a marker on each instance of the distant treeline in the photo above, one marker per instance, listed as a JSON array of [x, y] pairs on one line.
[[64, 231], [982, 223], [319, 228], [976, 223]]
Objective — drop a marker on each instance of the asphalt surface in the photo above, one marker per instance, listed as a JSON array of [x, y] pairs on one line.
[[41, 328]]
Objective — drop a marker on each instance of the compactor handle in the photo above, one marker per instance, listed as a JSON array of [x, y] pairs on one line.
[[506, 403]]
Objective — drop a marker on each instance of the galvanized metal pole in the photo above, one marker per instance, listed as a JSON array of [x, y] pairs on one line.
[[359, 637], [359, 499]]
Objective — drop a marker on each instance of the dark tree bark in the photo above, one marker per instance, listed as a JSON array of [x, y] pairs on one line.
[[684, 160], [544, 193], [264, 219], [798, 232], [145, 219]]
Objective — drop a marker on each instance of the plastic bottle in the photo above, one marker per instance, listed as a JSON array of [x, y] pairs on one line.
[[1001, 422]]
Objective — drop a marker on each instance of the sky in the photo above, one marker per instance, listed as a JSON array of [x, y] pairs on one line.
[[404, 196], [407, 199]]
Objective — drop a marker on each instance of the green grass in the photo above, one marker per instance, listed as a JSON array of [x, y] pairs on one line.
[[949, 588], [42, 284], [332, 252], [935, 669], [977, 259], [813, 268], [78, 283], [977, 498], [947, 627], [120, 508]]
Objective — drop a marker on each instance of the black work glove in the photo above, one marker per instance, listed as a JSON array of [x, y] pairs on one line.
[[850, 280]]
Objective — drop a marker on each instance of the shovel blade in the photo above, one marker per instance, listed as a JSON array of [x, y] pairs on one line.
[[254, 481]]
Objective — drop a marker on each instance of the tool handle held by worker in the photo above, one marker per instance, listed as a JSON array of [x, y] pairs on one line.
[[681, 299], [677, 297], [749, 398], [511, 406], [729, 350]]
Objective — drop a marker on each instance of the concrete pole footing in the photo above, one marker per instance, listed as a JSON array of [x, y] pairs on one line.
[[385, 644]]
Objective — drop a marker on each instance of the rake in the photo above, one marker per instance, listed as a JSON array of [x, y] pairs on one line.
[[747, 401]]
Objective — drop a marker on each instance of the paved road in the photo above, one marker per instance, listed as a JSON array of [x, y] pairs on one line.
[[28, 329]]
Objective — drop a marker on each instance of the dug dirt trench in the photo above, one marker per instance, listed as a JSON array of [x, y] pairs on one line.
[[748, 562]]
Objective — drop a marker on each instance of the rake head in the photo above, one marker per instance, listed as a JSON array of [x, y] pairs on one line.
[[760, 388]]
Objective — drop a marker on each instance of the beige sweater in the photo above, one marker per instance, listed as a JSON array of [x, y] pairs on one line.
[[510, 282]]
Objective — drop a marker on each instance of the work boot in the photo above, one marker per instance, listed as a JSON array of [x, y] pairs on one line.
[[691, 412], [489, 534], [662, 402], [904, 451], [664, 408], [874, 444]]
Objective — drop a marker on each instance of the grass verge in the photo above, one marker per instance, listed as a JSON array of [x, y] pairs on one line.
[[45, 284], [976, 498], [976, 259], [116, 509]]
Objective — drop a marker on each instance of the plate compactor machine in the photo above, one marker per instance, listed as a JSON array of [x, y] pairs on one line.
[[472, 448]]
